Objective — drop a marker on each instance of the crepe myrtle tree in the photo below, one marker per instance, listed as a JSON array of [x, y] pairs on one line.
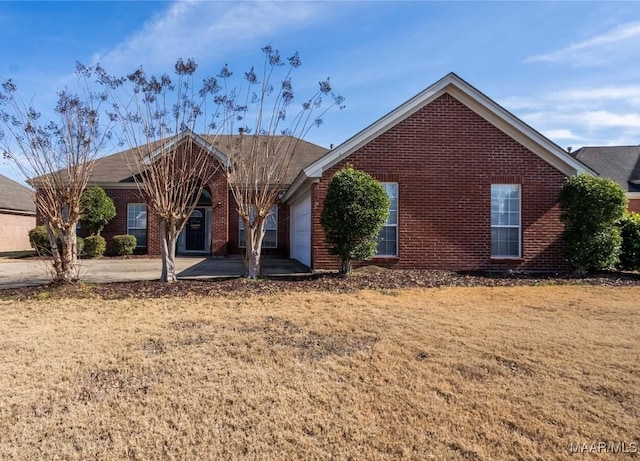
[[355, 209], [270, 126], [171, 164], [56, 158]]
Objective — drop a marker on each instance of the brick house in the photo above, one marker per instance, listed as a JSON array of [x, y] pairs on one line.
[[214, 227], [472, 187], [17, 215]]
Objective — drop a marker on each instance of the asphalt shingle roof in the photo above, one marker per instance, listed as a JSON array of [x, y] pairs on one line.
[[16, 197], [620, 163], [115, 168]]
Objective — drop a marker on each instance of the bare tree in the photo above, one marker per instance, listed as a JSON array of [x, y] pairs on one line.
[[57, 159], [170, 162], [271, 131]]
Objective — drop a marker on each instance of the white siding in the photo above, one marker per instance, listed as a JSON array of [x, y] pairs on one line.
[[301, 230]]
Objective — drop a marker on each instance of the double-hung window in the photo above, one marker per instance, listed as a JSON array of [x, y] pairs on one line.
[[388, 237], [137, 223], [270, 239], [505, 221]]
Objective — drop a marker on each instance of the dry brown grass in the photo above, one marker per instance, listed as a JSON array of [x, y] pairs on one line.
[[456, 373]]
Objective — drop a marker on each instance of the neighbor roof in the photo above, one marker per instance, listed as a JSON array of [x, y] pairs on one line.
[[15, 197], [470, 97], [114, 169], [620, 163]]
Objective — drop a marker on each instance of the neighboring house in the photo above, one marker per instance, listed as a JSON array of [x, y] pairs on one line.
[[17, 215], [472, 187], [620, 163]]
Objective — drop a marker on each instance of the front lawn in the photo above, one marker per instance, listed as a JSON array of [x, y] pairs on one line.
[[451, 373]]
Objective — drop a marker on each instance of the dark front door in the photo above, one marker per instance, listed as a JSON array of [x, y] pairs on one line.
[[195, 231]]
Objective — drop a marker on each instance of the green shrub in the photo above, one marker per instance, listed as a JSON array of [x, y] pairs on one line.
[[591, 208], [39, 240], [355, 208], [97, 209], [124, 244], [94, 246], [630, 231]]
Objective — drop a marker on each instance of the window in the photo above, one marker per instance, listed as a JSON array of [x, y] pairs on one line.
[[505, 220], [388, 237], [137, 223], [270, 239]]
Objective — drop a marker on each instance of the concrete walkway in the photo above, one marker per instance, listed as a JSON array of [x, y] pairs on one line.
[[15, 273]]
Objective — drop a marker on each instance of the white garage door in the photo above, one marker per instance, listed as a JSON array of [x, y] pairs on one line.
[[301, 231]]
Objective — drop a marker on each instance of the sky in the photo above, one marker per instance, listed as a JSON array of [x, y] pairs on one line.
[[571, 70]]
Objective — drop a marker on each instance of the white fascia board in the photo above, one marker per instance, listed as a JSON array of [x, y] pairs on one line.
[[633, 195], [199, 140], [517, 129], [114, 185], [316, 169], [476, 101]]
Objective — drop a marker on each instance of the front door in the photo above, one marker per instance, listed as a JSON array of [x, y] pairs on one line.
[[195, 231]]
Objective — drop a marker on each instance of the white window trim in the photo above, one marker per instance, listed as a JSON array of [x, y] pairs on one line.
[[504, 226], [274, 212], [146, 223], [395, 255]]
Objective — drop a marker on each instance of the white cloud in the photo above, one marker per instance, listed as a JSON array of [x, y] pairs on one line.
[[562, 133], [204, 30], [620, 41]]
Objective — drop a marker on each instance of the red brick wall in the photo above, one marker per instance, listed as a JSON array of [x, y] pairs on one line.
[[219, 235], [118, 225], [283, 231], [634, 205], [445, 158]]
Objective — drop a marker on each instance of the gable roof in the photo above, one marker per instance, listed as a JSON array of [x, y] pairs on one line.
[[15, 197], [114, 171], [620, 163], [470, 97]]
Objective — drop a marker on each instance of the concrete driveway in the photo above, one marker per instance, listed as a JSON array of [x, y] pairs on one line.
[[15, 273]]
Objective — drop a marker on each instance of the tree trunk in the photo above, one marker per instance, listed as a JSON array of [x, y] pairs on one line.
[[168, 238], [65, 254], [253, 236], [345, 267]]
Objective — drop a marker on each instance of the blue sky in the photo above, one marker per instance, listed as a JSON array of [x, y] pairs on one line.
[[569, 69]]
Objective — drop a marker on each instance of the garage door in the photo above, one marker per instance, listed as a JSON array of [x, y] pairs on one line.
[[301, 231]]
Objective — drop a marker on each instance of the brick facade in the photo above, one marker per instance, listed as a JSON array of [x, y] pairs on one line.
[[14, 231], [634, 205], [445, 158], [282, 249], [224, 225]]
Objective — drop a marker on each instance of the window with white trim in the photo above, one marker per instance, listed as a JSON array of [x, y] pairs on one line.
[[137, 223], [505, 220], [270, 239], [388, 236]]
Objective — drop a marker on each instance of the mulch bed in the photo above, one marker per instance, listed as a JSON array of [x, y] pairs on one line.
[[368, 278]]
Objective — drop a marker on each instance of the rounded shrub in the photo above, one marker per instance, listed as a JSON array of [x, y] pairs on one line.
[[355, 209], [97, 209], [124, 244], [591, 208], [39, 240], [630, 232], [94, 246], [79, 244]]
